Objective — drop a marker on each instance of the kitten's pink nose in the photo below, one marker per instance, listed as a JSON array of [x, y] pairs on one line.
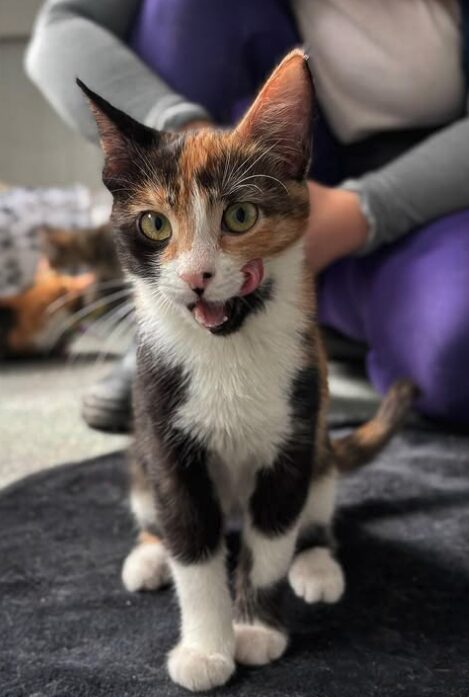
[[197, 281]]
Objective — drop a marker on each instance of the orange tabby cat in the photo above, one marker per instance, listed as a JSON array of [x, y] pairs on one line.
[[26, 325]]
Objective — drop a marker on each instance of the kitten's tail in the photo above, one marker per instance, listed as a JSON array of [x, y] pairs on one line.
[[358, 448]]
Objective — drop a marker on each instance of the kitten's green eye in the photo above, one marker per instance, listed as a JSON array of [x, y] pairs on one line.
[[155, 226], [240, 217]]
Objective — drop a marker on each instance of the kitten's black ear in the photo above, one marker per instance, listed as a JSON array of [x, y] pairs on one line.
[[119, 134], [281, 116]]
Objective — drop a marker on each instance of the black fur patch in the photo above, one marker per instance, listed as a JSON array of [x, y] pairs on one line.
[[137, 253], [315, 536], [281, 490], [264, 604], [188, 510], [305, 397], [7, 323], [240, 308], [125, 124]]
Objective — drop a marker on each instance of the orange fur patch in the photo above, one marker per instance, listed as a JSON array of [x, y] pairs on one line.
[[31, 305], [147, 538]]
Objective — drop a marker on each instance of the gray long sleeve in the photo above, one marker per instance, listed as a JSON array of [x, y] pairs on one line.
[[430, 181], [85, 38]]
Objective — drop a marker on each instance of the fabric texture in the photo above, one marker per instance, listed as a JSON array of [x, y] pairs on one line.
[[88, 39], [247, 39], [375, 83], [69, 629], [410, 304]]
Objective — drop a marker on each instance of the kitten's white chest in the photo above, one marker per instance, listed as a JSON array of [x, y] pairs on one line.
[[239, 408], [239, 390]]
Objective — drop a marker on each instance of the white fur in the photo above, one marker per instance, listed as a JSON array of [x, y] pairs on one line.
[[315, 575], [146, 568], [257, 644], [197, 670], [142, 505], [204, 656], [319, 508], [271, 556]]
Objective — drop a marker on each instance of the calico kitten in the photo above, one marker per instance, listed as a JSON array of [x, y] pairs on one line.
[[231, 389]]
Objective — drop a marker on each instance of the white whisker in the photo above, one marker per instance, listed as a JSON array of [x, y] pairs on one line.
[[86, 311]]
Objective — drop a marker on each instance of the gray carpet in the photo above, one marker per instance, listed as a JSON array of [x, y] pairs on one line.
[[68, 628]]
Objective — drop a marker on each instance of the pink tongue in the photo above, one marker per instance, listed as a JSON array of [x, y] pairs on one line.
[[209, 314], [253, 273]]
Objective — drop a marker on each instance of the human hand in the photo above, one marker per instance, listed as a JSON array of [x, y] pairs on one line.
[[196, 125], [336, 227]]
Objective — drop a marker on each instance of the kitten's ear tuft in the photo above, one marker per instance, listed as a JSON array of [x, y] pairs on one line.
[[281, 116], [118, 133]]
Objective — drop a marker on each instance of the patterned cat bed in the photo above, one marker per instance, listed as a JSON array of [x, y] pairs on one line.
[[69, 629]]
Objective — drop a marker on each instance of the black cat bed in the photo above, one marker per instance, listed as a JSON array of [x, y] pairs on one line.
[[69, 629]]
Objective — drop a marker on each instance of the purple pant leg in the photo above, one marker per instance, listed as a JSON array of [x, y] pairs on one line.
[[410, 303], [214, 52]]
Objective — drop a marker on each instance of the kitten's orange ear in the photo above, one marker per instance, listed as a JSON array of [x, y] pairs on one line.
[[281, 116], [119, 135]]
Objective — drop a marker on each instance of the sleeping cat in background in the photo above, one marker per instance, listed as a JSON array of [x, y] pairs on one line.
[[27, 326], [231, 391], [71, 249]]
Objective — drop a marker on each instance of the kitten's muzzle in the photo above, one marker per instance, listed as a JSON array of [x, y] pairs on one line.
[[197, 281], [215, 316]]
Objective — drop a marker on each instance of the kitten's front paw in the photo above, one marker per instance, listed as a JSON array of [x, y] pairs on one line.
[[315, 575], [196, 670], [146, 568], [257, 644]]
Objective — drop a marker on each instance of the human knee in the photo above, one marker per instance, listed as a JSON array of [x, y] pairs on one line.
[[445, 384]]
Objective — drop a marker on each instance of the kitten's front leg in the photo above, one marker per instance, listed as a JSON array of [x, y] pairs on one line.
[[269, 540], [203, 659], [191, 521]]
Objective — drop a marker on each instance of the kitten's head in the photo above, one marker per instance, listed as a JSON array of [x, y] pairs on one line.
[[201, 215]]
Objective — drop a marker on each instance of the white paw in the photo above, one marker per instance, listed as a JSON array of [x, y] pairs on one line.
[[146, 568], [315, 575], [257, 644], [196, 670]]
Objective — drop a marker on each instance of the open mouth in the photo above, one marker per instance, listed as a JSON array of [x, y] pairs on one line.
[[226, 317]]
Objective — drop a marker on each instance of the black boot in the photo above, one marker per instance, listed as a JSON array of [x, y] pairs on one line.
[[107, 405]]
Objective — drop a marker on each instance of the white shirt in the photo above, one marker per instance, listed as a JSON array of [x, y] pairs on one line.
[[380, 65]]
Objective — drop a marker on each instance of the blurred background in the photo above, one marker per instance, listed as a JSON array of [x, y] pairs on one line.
[[37, 149], [387, 186], [41, 393]]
